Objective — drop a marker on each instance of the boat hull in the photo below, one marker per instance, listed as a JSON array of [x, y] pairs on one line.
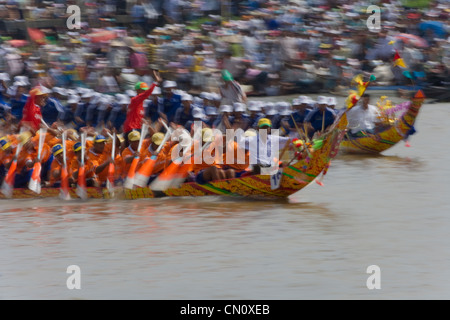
[[294, 178]]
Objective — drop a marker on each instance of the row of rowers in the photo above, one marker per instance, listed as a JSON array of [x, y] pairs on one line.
[[98, 156], [90, 109]]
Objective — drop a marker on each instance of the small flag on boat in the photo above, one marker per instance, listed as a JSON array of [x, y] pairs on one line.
[[398, 61]]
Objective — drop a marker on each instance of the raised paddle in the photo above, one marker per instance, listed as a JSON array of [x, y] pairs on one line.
[[8, 184], [65, 195], [35, 181], [129, 181], [111, 168], [177, 170], [81, 185], [145, 172]]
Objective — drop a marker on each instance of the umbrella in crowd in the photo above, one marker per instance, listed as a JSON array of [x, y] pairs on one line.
[[436, 26], [412, 40]]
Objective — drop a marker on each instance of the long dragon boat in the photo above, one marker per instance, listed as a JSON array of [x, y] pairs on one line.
[[390, 135], [306, 167]]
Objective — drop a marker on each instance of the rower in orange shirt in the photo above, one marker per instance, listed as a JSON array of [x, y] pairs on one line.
[[130, 152], [102, 156], [28, 156], [7, 154], [207, 171], [236, 160], [90, 166], [161, 158], [56, 167]]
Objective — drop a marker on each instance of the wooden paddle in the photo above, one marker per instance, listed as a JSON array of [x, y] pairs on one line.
[[35, 181], [8, 184], [111, 168], [145, 172], [65, 195], [129, 182], [81, 185], [177, 171]]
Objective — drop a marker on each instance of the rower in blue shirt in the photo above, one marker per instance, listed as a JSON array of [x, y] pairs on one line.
[[171, 101], [18, 99], [154, 105], [255, 114], [184, 115], [301, 108], [320, 118], [118, 113]]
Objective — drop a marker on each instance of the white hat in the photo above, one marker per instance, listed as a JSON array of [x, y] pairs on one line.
[[271, 111], [95, 97], [73, 99], [198, 113], [187, 97], [123, 99], [297, 102], [4, 77], [132, 93], [268, 106], [205, 95], [198, 101], [216, 97], [254, 106], [303, 99], [23, 79], [211, 111], [284, 109], [104, 101], [156, 91], [57, 90], [81, 90], [225, 108], [45, 90], [322, 100], [169, 84], [87, 94], [332, 101], [20, 84], [239, 107]]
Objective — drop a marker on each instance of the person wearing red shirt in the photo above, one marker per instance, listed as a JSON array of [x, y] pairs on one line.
[[32, 115], [135, 113]]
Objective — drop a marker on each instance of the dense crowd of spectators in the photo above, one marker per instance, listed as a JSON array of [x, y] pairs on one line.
[[271, 48]]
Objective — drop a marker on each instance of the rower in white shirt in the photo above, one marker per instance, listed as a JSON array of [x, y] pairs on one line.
[[363, 118], [264, 147]]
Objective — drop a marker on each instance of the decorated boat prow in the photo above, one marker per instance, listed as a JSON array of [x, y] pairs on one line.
[[390, 134]]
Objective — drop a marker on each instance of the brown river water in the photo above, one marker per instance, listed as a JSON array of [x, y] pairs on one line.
[[391, 210]]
